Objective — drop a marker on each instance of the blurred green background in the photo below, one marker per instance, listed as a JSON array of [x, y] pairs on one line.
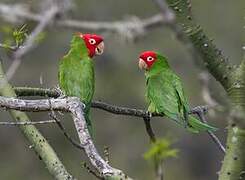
[[120, 82]]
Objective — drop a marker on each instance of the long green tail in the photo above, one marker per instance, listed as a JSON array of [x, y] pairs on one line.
[[196, 125], [88, 122]]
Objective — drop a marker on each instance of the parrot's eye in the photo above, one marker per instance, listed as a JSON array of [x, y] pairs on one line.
[[92, 41], [150, 58]]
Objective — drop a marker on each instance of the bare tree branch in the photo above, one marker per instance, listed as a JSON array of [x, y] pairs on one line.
[[27, 91], [129, 28], [27, 123], [35, 138], [158, 164], [204, 79], [167, 12], [192, 35], [74, 106], [149, 130], [200, 112], [30, 41], [62, 128]]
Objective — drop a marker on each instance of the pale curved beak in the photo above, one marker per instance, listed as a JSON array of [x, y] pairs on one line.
[[100, 48], [142, 64]]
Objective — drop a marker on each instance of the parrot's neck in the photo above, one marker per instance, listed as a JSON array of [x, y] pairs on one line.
[[160, 65], [78, 47]]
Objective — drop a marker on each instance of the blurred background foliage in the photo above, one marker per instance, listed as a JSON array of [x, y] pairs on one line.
[[120, 82]]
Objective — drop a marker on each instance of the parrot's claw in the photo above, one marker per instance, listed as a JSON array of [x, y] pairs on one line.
[[59, 92], [149, 114], [199, 110]]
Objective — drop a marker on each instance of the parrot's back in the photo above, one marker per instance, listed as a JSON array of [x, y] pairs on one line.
[[76, 78], [165, 95]]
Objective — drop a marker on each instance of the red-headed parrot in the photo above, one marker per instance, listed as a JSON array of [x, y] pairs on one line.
[[76, 69], [165, 93]]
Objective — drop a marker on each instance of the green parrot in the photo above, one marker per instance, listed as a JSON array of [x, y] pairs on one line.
[[76, 70], [165, 94]]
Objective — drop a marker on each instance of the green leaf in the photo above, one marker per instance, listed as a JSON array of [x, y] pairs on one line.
[[161, 150], [20, 35]]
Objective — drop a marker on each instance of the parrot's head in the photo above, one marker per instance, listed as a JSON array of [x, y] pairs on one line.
[[147, 59], [94, 43]]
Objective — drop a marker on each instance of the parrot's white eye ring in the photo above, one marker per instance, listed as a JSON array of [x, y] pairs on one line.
[[150, 59], [92, 41]]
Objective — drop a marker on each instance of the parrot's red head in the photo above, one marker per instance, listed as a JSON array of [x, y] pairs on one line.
[[94, 43], [147, 59]]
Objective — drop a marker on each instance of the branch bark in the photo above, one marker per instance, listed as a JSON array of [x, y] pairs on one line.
[[130, 27], [35, 138], [27, 91], [187, 30], [231, 78], [30, 41], [120, 110], [74, 106]]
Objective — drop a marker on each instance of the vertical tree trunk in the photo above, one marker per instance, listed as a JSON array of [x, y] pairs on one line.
[[231, 78], [35, 138], [233, 167]]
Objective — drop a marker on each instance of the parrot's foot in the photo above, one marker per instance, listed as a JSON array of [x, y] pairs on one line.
[[60, 92], [148, 114], [199, 110]]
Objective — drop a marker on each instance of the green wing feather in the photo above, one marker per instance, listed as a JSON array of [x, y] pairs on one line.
[[162, 97], [165, 95], [76, 75]]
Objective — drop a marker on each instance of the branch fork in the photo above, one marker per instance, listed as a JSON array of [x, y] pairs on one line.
[[75, 107]]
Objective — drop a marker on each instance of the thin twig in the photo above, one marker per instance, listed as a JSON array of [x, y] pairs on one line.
[[158, 164], [167, 12], [26, 91], [149, 130], [62, 128], [30, 41], [75, 107], [33, 136], [120, 110], [130, 28], [204, 78], [27, 123], [215, 139]]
